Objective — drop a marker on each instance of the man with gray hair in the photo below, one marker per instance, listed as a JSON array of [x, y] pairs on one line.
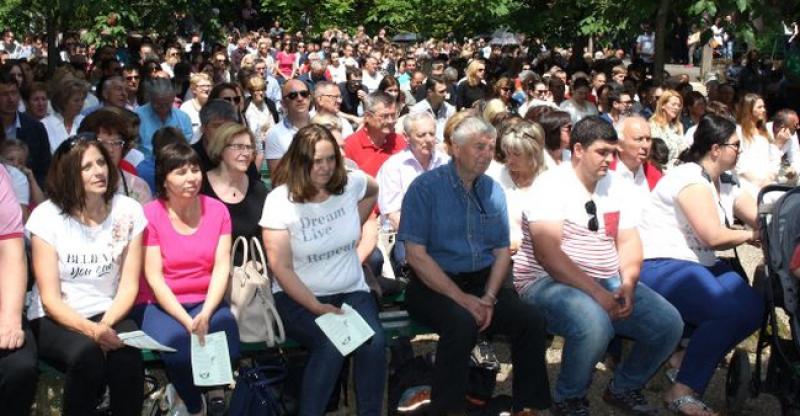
[[113, 93], [316, 72], [328, 100], [633, 153], [457, 244], [159, 112], [370, 146]]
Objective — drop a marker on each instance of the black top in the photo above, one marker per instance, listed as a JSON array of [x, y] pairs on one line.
[[466, 94], [244, 214], [33, 133]]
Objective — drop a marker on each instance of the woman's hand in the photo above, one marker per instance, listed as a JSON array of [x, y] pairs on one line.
[[11, 336], [323, 308], [200, 326], [106, 337]]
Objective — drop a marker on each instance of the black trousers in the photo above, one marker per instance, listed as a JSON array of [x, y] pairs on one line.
[[87, 369], [18, 376], [458, 332]]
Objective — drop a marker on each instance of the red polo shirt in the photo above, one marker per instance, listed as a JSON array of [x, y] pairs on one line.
[[360, 149]]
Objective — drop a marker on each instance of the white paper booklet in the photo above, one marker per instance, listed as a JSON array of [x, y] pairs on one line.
[[211, 363], [347, 331]]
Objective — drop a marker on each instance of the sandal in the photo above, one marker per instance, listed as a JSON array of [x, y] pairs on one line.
[[672, 375], [677, 406]]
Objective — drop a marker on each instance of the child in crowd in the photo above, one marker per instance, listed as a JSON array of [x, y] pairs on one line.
[[15, 153]]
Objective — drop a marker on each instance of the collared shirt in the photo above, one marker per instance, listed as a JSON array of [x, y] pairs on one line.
[[396, 175], [11, 130], [445, 112], [150, 123], [369, 157], [459, 228], [57, 131], [279, 138]]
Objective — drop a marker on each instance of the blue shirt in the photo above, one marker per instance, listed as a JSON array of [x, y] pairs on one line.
[[150, 123], [458, 228]]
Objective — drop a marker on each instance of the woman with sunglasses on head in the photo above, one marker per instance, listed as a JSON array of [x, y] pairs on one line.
[[87, 256], [182, 291], [312, 224], [113, 132], [679, 243]]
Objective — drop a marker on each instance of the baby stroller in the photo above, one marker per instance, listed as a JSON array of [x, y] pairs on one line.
[[780, 233]]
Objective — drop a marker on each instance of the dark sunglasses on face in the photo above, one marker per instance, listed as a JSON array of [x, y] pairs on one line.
[[591, 209], [237, 99], [294, 94]]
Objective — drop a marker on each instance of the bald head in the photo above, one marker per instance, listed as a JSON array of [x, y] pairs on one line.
[[635, 142], [296, 98]]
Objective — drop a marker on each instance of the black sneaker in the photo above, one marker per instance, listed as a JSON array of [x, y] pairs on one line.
[[483, 355], [216, 406], [632, 402], [571, 407]]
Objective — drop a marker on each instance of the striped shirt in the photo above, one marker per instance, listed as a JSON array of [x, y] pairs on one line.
[[558, 196]]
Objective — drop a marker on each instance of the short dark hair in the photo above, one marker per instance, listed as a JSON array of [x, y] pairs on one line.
[[171, 157], [591, 129], [294, 169], [5, 76], [430, 84], [106, 119], [64, 183], [218, 109]]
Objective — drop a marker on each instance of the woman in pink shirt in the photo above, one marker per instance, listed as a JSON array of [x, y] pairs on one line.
[[287, 59], [186, 265]]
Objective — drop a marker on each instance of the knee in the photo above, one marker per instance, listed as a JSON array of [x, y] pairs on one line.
[[88, 356], [593, 331], [19, 372], [461, 327]]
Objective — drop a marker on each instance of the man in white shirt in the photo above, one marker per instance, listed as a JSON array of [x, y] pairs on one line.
[[296, 102], [370, 76], [435, 105], [784, 130], [579, 263], [633, 152]]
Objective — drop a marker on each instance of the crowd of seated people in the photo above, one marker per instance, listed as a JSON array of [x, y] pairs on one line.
[[592, 216]]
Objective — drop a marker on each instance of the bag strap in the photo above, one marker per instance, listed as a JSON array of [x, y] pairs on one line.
[[243, 241], [271, 313]]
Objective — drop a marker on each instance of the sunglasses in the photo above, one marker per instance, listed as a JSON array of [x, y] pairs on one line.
[[131, 77], [591, 209], [236, 100], [68, 144], [294, 94]]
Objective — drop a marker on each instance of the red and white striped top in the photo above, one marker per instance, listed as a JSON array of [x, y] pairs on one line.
[[558, 196]]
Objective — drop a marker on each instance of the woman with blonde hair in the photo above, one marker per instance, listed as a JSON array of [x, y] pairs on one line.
[[200, 85], [503, 89], [523, 145], [67, 97], [759, 158], [666, 123], [473, 87]]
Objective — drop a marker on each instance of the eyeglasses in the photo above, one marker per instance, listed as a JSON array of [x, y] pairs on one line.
[[131, 77], [385, 116], [294, 94], [591, 209], [112, 143], [540, 92], [335, 97], [505, 89], [736, 145], [239, 147], [236, 100]]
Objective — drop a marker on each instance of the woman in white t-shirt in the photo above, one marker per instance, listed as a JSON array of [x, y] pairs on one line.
[[87, 256], [679, 243], [522, 145], [199, 85], [312, 223]]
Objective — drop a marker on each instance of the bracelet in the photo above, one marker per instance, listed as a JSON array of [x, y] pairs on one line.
[[492, 296]]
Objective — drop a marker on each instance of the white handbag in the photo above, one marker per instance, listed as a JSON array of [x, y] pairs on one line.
[[250, 296]]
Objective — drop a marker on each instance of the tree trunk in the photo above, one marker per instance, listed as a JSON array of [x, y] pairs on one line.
[[52, 48], [661, 34]]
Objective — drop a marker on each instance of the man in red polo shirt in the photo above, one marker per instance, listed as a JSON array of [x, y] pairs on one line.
[[371, 145]]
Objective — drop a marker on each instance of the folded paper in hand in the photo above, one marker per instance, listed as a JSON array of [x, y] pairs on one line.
[[346, 331], [142, 341]]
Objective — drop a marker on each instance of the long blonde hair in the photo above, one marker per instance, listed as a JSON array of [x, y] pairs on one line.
[[660, 116], [472, 72], [751, 126]]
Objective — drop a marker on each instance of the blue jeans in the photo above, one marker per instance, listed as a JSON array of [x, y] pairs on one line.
[[325, 361], [654, 324], [716, 301], [160, 325]]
